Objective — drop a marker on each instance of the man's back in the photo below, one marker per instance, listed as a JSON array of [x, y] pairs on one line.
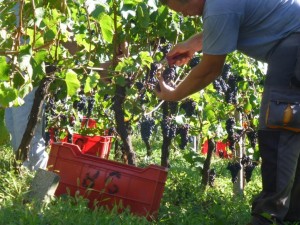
[[251, 26]]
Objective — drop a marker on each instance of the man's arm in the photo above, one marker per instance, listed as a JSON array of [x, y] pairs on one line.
[[200, 76]]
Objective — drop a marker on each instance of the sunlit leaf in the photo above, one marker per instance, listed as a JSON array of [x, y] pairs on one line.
[[73, 84], [4, 69], [107, 27]]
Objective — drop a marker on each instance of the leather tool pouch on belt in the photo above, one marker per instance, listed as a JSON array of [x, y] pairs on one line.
[[284, 110]]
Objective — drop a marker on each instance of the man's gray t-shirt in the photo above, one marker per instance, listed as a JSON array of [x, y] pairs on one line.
[[250, 26]]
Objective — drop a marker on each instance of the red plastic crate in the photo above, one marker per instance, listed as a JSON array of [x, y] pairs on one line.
[[51, 131], [94, 145], [88, 122], [221, 149], [106, 182]]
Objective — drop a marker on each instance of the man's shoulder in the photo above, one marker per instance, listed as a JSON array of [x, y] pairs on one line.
[[223, 7]]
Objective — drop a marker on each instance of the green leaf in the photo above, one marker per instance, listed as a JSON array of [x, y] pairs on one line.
[[7, 94], [99, 10], [143, 18], [18, 80], [72, 82], [247, 107], [146, 59], [162, 15], [49, 35], [91, 82], [40, 56], [107, 27], [120, 80], [4, 69]]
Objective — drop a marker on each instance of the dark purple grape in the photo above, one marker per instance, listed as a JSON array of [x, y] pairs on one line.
[[234, 168], [189, 106], [168, 128], [252, 137], [169, 74], [184, 138], [248, 170], [147, 127], [194, 61]]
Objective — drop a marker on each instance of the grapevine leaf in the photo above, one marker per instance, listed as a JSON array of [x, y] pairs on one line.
[[18, 80], [91, 82], [7, 94], [120, 80], [4, 69], [142, 14], [72, 82], [247, 107], [162, 14], [40, 56], [49, 35], [99, 11], [107, 27], [146, 59]]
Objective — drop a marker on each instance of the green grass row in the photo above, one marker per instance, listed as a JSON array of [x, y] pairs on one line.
[[183, 202]]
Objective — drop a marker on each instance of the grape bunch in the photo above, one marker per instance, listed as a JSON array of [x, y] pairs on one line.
[[139, 85], [169, 74], [226, 71], [230, 123], [189, 106], [252, 137], [165, 48], [194, 61], [231, 92], [248, 170], [249, 166], [151, 76], [211, 177], [147, 127], [220, 86], [234, 168], [246, 160], [183, 131], [173, 106], [168, 127], [90, 105], [80, 104]]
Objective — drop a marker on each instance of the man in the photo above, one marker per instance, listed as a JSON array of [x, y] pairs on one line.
[[269, 31]]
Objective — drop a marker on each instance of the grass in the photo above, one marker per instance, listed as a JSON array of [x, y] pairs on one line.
[[183, 202]]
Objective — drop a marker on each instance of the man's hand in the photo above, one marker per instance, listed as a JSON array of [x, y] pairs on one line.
[[164, 91], [183, 52]]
